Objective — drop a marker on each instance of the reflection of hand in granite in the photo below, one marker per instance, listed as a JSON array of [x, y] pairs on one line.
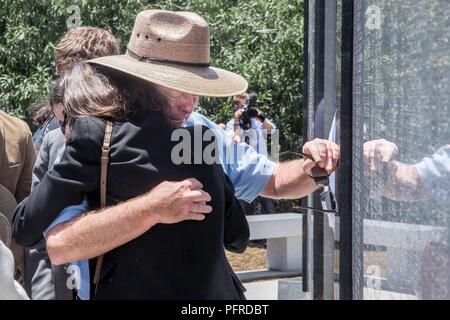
[[398, 181], [377, 153], [403, 183]]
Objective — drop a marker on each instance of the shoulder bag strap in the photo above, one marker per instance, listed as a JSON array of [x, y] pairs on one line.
[[103, 184]]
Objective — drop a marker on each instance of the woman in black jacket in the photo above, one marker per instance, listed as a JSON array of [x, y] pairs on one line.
[[183, 260]]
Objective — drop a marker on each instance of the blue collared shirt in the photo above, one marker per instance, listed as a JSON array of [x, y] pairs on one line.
[[81, 276], [434, 172]]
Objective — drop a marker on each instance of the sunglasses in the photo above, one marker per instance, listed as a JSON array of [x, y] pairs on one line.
[[316, 172], [323, 198]]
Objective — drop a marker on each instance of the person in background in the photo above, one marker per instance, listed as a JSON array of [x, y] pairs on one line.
[[17, 157], [43, 113], [249, 125]]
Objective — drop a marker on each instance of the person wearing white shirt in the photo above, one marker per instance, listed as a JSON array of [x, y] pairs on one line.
[[253, 128]]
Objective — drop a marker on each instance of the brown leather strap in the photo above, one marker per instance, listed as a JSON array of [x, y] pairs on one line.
[[104, 163], [103, 183]]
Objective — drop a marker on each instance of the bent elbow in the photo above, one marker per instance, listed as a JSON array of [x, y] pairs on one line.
[[237, 246], [238, 242], [22, 233], [23, 238]]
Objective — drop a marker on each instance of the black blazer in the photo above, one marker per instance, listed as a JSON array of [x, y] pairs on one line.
[[170, 261]]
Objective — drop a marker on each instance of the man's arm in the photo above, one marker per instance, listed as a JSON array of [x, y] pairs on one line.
[[403, 183], [253, 174], [98, 232], [292, 179], [236, 129], [266, 123], [289, 181]]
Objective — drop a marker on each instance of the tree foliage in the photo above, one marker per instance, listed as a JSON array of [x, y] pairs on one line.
[[259, 39]]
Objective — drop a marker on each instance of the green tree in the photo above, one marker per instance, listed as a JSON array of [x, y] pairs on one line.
[[260, 39]]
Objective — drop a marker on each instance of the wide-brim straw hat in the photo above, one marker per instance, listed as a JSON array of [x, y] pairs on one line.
[[172, 49], [7, 205]]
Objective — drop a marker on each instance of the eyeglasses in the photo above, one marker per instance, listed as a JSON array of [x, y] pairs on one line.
[[326, 195]]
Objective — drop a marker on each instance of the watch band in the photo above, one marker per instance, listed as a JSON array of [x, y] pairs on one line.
[[321, 181]]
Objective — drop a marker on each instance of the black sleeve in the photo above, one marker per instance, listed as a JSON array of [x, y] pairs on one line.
[[237, 232], [77, 174]]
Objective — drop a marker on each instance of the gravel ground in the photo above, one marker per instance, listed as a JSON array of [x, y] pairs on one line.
[[256, 258], [253, 258]]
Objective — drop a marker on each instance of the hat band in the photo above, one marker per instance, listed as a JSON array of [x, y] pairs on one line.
[[142, 58]]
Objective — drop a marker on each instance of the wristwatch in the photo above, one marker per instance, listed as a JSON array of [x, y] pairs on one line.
[[321, 181]]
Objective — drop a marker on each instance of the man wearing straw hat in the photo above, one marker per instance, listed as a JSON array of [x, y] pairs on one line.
[[171, 51]]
